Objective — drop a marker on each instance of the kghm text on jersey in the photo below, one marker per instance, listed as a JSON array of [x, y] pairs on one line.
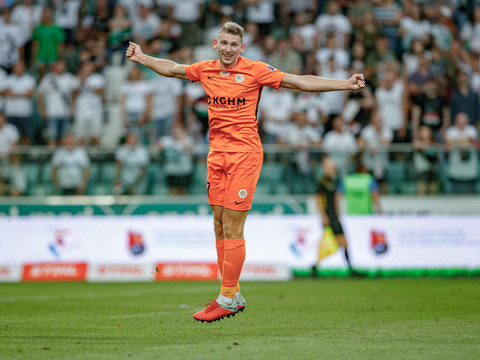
[[216, 100]]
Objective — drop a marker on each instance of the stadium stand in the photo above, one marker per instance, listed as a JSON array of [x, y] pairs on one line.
[[400, 46]]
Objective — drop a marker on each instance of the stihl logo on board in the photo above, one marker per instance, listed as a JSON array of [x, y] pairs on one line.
[[260, 269], [187, 272], [55, 272], [128, 270]]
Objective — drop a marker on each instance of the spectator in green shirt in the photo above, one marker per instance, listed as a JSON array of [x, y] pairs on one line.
[[48, 41]]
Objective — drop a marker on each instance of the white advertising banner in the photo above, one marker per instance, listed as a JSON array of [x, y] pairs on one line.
[[291, 241], [10, 273]]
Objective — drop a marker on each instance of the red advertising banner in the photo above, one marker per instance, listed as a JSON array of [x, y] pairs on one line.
[[179, 271], [55, 272]]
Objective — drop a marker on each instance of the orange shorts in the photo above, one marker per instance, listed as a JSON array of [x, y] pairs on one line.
[[232, 178]]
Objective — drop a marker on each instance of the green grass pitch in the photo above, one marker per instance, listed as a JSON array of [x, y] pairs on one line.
[[427, 318]]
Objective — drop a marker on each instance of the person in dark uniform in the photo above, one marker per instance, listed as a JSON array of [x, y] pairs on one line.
[[328, 205]]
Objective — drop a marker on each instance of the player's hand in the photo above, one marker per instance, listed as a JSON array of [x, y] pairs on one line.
[[134, 52], [356, 82]]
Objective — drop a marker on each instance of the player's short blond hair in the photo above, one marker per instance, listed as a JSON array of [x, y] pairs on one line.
[[233, 29]]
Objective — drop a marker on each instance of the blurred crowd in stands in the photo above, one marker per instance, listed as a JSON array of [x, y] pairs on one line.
[[65, 84]]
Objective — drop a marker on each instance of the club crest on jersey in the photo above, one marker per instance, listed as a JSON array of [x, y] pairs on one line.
[[242, 194], [271, 68], [239, 78], [224, 73]]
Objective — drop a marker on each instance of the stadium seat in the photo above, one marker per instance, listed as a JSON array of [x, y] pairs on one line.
[[281, 188], [108, 170], [41, 189], [46, 173], [160, 189], [395, 176], [263, 188], [32, 171], [99, 189], [200, 173], [408, 188], [272, 172]]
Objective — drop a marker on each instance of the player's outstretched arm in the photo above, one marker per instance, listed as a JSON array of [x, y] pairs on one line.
[[313, 83], [163, 67]]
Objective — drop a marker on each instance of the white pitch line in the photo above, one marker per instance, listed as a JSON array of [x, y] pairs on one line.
[[78, 296], [184, 309]]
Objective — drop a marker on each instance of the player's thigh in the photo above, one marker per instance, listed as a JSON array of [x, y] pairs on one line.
[[216, 178], [242, 178], [234, 223]]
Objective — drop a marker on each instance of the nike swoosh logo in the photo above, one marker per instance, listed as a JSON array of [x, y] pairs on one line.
[[239, 202], [211, 76]]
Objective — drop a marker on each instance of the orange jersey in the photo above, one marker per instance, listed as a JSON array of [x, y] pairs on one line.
[[233, 97]]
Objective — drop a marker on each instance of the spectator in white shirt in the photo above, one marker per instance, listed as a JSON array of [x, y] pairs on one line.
[[27, 15], [333, 21], [54, 101], [414, 26], [20, 87], [131, 161], [70, 167], [8, 141], [188, 14], [299, 136], [470, 31], [66, 17], [340, 144], [146, 25], [88, 117], [374, 141], [12, 41], [3, 87], [462, 143], [304, 35], [136, 103], [335, 100], [262, 13], [178, 159], [331, 50], [390, 98], [276, 109], [166, 105]]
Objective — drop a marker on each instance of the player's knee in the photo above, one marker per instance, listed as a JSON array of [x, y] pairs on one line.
[[232, 230], [218, 228]]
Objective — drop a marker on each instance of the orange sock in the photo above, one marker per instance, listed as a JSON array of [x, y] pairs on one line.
[[220, 258], [220, 254], [233, 259]]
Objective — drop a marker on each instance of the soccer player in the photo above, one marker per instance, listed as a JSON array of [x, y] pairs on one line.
[[233, 85]]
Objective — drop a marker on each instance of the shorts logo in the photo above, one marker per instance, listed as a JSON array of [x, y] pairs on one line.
[[239, 78], [224, 73], [242, 194], [270, 67]]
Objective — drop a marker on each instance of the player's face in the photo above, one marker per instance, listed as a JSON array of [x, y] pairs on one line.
[[229, 47]]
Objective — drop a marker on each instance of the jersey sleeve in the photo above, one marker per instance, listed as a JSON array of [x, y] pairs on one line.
[[341, 187], [267, 75], [194, 71], [374, 186]]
